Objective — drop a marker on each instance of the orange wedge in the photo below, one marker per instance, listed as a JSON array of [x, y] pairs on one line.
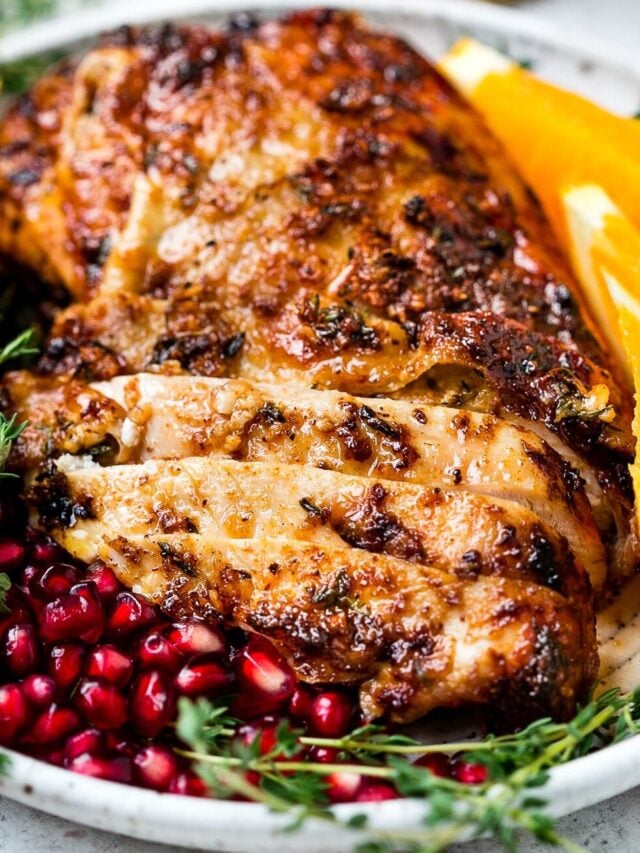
[[605, 251], [601, 242], [557, 139]]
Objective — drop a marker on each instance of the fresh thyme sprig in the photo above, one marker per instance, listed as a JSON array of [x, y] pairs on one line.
[[5, 586], [517, 764], [18, 76], [22, 345], [10, 429]]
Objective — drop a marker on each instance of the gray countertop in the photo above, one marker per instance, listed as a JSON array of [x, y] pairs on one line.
[[611, 826]]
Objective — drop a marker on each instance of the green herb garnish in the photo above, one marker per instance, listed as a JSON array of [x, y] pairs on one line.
[[506, 804], [21, 346], [5, 586], [18, 76], [9, 431]]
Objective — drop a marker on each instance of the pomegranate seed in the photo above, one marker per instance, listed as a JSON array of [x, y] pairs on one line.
[[11, 554], [14, 712], [265, 733], [45, 552], [89, 592], [268, 739], [51, 756], [152, 706], [155, 651], [65, 664], [31, 535], [155, 767], [21, 649], [106, 582], [76, 615], [188, 784], [101, 704], [323, 754], [18, 604], [470, 773], [30, 577], [436, 762], [343, 787], [57, 580], [192, 637], [117, 743], [88, 740], [52, 725], [110, 663], [130, 613], [300, 703], [330, 714], [115, 769], [265, 730], [376, 792], [203, 676], [265, 674], [39, 689]]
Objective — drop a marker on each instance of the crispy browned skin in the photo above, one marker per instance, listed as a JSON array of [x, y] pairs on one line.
[[306, 199], [416, 637], [308, 204]]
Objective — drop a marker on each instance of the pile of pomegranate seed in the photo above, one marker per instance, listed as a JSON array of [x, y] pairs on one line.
[[90, 674]]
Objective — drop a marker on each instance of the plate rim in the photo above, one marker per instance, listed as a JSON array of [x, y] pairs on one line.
[[176, 818], [60, 31]]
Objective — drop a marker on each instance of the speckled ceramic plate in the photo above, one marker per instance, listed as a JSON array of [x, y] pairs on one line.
[[607, 77]]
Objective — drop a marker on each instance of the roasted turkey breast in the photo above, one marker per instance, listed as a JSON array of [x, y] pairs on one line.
[[325, 374]]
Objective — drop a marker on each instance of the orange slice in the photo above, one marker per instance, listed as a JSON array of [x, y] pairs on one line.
[[556, 138], [605, 251]]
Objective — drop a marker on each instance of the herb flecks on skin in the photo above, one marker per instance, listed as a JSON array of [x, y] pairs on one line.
[[501, 807]]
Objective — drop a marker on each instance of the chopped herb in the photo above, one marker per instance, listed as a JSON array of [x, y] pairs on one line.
[[311, 508], [377, 423], [334, 593], [185, 562], [271, 414], [232, 346], [339, 324]]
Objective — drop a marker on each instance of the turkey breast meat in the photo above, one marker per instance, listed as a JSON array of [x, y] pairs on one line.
[[324, 374]]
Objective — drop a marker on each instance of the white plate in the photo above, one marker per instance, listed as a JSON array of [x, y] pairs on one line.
[[613, 80]]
